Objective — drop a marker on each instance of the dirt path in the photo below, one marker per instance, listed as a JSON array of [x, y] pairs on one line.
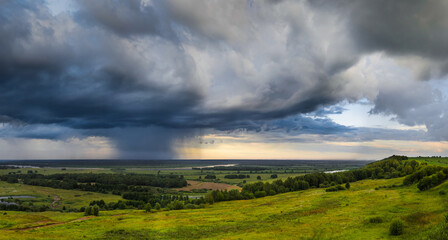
[[56, 199], [54, 224], [55, 202], [61, 223], [207, 185]]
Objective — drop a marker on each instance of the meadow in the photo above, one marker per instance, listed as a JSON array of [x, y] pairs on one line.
[[46, 195], [364, 211], [309, 214]]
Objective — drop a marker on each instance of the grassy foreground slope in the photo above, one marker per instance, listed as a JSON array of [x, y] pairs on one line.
[[309, 214]]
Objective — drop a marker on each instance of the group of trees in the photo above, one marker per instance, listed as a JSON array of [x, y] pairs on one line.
[[236, 176], [20, 207], [103, 183], [335, 188], [427, 177], [170, 204], [162, 199], [92, 210], [137, 189], [233, 168], [8, 167]]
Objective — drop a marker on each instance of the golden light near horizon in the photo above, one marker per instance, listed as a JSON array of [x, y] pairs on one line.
[[251, 147]]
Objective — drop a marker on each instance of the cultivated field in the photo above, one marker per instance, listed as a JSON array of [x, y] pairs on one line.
[[207, 185]]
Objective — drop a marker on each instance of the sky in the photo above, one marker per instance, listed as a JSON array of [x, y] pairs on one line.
[[213, 79]]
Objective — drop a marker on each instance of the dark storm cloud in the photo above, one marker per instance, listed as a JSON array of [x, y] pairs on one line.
[[52, 77], [399, 27], [402, 27], [116, 66], [126, 18], [79, 76]]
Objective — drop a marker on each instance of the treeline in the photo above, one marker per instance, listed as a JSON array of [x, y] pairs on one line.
[[137, 201], [8, 167], [392, 167], [233, 168], [237, 176], [17, 206], [162, 199], [103, 183]]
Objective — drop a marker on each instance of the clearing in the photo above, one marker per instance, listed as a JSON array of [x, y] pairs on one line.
[[207, 185]]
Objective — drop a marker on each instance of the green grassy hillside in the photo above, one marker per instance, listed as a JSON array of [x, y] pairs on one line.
[[309, 214]]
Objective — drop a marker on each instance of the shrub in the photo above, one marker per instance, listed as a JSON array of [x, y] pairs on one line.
[[87, 211], [190, 206], [396, 228], [96, 210], [176, 205], [148, 207], [335, 188], [259, 194], [157, 206], [375, 220], [442, 192]]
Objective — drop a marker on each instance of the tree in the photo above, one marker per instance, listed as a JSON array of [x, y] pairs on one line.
[[87, 210], [96, 210], [347, 185], [157, 206], [259, 194], [258, 177], [274, 176], [176, 205], [148, 207]]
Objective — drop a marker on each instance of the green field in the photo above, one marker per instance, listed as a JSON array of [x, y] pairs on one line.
[[309, 214], [365, 211], [46, 195], [442, 161]]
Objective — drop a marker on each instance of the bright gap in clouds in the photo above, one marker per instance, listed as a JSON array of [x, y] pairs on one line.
[[358, 115]]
